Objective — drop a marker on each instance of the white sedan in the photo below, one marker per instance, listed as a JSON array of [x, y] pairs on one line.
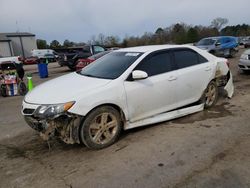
[[124, 89]]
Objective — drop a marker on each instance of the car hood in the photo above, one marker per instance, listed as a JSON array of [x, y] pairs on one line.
[[64, 89], [207, 47]]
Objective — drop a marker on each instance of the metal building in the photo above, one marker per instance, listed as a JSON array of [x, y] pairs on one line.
[[17, 44]]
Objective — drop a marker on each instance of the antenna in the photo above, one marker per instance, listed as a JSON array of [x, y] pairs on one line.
[[17, 28]]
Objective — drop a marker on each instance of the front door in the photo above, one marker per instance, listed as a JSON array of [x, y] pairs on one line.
[[155, 94]]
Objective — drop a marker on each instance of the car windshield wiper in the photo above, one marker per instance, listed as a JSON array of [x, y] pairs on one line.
[[89, 75]]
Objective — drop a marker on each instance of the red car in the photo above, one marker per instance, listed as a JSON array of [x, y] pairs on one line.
[[84, 62], [30, 60]]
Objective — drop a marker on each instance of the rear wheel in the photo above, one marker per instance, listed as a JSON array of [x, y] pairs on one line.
[[3, 90], [211, 95], [72, 68], [101, 128]]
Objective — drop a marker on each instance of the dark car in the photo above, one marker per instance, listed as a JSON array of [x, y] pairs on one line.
[[68, 57]]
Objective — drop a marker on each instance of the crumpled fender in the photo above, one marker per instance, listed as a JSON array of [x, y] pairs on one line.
[[223, 70]]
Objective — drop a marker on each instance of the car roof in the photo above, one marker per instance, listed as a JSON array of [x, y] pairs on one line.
[[151, 48], [218, 37]]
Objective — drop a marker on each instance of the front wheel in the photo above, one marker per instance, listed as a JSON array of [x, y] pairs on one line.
[[101, 128], [211, 94], [22, 89]]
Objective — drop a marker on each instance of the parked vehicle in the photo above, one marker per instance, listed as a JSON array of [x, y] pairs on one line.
[[70, 57], [16, 59], [246, 42], [30, 60], [225, 46], [11, 79], [244, 63], [49, 54], [84, 62], [124, 89]]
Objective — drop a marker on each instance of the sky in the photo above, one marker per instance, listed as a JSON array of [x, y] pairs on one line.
[[80, 20]]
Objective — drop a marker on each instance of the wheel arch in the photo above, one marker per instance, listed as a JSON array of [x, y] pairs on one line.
[[115, 106]]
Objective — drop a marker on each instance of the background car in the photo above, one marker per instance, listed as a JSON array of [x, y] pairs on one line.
[[84, 62], [225, 46], [69, 57], [244, 63], [246, 42], [30, 60]]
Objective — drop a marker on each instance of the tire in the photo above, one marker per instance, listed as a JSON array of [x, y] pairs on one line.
[[72, 68], [3, 90], [210, 95], [95, 132], [22, 89], [232, 53]]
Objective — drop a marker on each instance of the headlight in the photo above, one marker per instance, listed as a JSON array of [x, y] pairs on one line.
[[244, 56], [49, 111]]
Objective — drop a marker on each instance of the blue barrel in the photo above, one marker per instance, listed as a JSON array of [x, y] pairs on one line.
[[43, 70]]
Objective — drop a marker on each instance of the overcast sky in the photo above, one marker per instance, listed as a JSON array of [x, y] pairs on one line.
[[79, 20]]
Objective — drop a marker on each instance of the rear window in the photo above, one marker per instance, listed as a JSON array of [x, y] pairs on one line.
[[186, 58]]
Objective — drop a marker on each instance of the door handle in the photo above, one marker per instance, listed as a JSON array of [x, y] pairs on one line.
[[207, 68], [171, 78]]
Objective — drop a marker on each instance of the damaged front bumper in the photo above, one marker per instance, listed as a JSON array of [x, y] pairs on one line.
[[64, 126]]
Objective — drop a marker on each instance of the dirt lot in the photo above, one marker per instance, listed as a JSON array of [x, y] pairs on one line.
[[209, 149]]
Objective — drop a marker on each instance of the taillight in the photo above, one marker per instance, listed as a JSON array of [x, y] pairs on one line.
[[20, 58]]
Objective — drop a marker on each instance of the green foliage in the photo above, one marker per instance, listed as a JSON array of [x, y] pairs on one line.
[[237, 30], [68, 43], [179, 33], [55, 44], [192, 35], [41, 44]]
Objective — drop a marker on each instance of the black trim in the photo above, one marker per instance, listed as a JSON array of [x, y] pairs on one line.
[[11, 52], [21, 41]]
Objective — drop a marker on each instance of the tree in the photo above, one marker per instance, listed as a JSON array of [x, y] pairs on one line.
[[219, 22], [192, 35], [41, 44], [179, 33], [159, 31], [112, 41], [55, 44], [68, 43]]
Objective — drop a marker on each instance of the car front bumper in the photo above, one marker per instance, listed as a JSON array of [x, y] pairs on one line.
[[244, 64], [65, 126]]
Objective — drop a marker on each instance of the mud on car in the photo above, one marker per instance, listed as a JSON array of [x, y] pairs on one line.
[[124, 89]]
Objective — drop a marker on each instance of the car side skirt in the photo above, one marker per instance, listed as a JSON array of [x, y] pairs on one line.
[[165, 116]]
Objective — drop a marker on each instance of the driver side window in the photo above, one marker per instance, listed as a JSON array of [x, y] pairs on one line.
[[156, 63]]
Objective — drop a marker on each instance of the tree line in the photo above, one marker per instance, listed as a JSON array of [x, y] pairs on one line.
[[179, 33]]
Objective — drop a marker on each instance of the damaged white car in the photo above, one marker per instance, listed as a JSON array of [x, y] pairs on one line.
[[124, 89]]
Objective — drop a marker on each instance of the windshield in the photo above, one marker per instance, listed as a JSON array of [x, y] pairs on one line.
[[206, 42], [110, 66]]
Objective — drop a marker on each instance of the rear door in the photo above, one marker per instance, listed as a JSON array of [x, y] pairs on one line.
[[194, 74], [155, 94]]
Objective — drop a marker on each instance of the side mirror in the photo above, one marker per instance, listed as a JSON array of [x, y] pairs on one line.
[[139, 75], [217, 44]]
